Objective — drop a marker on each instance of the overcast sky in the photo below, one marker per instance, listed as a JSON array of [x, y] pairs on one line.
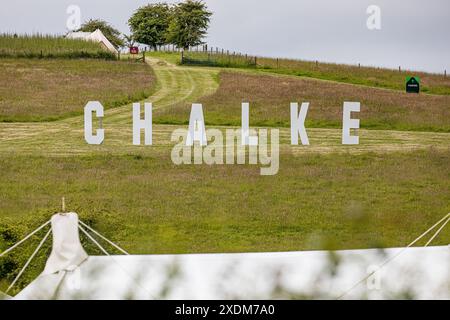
[[414, 33]]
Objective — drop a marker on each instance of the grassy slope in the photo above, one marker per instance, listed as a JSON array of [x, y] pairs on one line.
[[316, 200], [42, 90], [41, 46], [270, 96], [384, 192], [368, 76], [171, 57]]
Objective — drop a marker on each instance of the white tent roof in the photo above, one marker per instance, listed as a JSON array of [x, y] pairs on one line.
[[96, 36], [422, 272], [70, 274], [79, 35]]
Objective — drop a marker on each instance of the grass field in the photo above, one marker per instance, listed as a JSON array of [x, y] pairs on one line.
[[161, 208], [43, 46], [384, 192], [317, 201], [50, 89], [219, 60], [270, 97], [368, 76]]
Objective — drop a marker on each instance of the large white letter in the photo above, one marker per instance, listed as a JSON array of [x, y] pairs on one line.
[[348, 123], [246, 139], [88, 109], [139, 124], [298, 123], [196, 130]]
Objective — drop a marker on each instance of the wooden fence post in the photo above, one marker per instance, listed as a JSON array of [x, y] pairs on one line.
[[182, 57]]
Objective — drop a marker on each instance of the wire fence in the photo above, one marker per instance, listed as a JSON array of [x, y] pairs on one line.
[[212, 56], [206, 55]]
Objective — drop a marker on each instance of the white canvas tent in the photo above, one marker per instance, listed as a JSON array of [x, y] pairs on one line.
[[96, 36], [422, 272]]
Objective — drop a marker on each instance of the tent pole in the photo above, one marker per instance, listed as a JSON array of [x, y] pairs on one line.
[[63, 205], [104, 238], [23, 240]]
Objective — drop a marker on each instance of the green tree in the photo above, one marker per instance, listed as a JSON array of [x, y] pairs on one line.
[[149, 24], [112, 34], [189, 24], [129, 40]]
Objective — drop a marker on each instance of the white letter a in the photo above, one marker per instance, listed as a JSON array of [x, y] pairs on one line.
[[197, 131]]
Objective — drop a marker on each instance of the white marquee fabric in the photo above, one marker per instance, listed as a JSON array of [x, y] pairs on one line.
[[420, 273], [67, 252]]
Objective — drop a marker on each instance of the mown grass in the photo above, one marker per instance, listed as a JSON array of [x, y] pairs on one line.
[[171, 57], [46, 46], [47, 90], [270, 97], [368, 76]]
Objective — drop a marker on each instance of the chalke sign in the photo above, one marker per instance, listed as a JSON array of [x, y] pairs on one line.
[[214, 146]]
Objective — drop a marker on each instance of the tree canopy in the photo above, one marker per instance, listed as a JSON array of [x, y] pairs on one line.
[[189, 24], [184, 25], [112, 34], [149, 24]]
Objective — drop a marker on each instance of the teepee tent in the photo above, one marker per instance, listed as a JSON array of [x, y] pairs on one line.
[[96, 36], [370, 273]]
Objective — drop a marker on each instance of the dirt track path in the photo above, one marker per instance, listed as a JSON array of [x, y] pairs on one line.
[[174, 85]]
